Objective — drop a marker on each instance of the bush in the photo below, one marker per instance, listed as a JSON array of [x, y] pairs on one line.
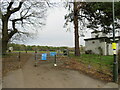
[[88, 52]]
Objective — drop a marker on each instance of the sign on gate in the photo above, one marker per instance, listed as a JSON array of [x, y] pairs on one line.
[[53, 53], [44, 56]]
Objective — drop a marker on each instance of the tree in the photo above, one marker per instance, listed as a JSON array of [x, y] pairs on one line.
[[99, 15], [93, 15], [73, 17], [77, 49], [18, 17]]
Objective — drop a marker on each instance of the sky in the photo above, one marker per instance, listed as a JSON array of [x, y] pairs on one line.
[[53, 33]]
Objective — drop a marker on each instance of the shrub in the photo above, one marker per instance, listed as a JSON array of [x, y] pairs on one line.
[[88, 52]]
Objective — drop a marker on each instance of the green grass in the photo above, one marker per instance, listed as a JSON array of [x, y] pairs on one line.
[[23, 51], [96, 61], [9, 54], [94, 58], [37, 51]]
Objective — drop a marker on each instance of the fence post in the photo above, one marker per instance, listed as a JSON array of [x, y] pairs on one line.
[[19, 55], [35, 59], [55, 64], [26, 49]]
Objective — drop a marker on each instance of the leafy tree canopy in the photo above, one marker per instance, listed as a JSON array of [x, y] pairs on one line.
[[96, 15]]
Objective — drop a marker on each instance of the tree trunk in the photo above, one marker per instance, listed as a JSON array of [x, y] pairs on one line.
[[76, 33], [4, 47], [5, 37]]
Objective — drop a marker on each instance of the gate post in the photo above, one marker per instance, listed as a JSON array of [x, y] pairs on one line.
[[55, 64], [35, 59], [19, 55]]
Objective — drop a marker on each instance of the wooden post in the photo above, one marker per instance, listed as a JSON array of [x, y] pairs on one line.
[[35, 59], [26, 49], [55, 64], [19, 56]]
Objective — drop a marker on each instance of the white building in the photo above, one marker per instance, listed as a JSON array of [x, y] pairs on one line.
[[100, 44]]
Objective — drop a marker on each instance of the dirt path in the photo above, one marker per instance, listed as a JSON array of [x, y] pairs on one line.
[[47, 76]]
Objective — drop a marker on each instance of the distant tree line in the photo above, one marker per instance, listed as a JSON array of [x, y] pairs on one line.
[[22, 47]]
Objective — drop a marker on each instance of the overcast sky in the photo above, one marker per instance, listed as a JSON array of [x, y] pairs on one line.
[[53, 33]]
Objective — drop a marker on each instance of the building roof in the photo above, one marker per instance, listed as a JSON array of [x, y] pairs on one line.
[[101, 38]]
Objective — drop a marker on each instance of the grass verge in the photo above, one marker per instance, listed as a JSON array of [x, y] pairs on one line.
[[94, 65]]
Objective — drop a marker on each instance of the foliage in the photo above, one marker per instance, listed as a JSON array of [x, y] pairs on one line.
[[100, 14], [89, 52], [95, 15], [23, 47], [100, 50]]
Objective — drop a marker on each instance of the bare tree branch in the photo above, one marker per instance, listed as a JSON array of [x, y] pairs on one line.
[[16, 9], [28, 15], [10, 5]]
